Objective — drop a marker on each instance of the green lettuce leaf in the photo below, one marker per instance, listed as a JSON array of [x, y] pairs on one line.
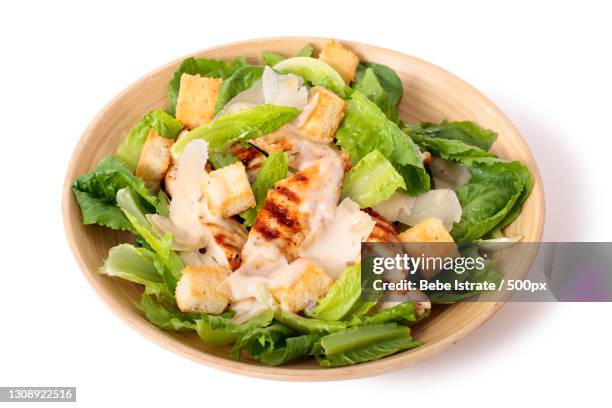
[[241, 80], [163, 318], [341, 296], [466, 132], [308, 325], [271, 58], [199, 66], [485, 168], [387, 78], [404, 313], [240, 126], [485, 204], [261, 340], [306, 51], [96, 193], [369, 83], [390, 341], [273, 169], [365, 128], [221, 330], [447, 149], [135, 213], [294, 348], [497, 189], [164, 125], [372, 180], [138, 265]]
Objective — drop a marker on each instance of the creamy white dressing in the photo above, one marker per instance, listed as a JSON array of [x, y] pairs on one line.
[[340, 241], [320, 205], [187, 207]]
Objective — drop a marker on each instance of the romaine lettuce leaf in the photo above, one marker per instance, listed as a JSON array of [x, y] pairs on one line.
[[240, 126], [96, 193], [138, 265], [261, 340], [404, 313], [271, 58], [164, 125], [221, 330], [484, 168], [341, 296], [497, 189], [387, 78], [484, 205], [372, 180], [314, 71], [447, 149], [381, 85], [466, 132], [241, 80], [163, 318], [199, 66], [273, 169], [363, 343], [365, 128], [294, 348], [135, 213], [308, 325], [306, 51]]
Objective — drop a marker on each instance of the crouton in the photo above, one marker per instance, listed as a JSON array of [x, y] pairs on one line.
[[429, 238], [196, 101], [154, 158], [326, 116], [229, 191], [340, 59], [310, 283], [196, 291]]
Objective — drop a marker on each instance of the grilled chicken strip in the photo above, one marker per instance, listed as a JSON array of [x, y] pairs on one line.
[[295, 209], [301, 151]]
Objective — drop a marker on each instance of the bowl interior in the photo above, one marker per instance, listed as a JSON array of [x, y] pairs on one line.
[[430, 94]]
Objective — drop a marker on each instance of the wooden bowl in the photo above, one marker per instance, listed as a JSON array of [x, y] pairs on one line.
[[431, 94]]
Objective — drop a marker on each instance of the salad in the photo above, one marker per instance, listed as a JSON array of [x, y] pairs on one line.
[[248, 199]]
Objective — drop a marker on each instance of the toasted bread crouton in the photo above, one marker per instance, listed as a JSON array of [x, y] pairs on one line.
[[196, 101], [340, 59], [309, 284], [196, 291], [326, 116], [228, 191], [429, 238], [154, 158]]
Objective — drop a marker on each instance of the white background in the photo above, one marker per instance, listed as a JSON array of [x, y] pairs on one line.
[[547, 66]]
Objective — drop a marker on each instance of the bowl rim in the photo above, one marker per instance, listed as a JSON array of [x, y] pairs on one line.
[[172, 344]]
